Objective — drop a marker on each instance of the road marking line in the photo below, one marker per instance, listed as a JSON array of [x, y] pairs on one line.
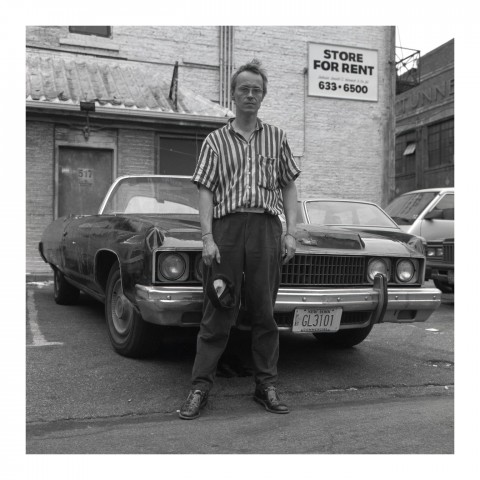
[[38, 339]]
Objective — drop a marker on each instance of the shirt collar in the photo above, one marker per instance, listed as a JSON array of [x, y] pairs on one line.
[[259, 125]]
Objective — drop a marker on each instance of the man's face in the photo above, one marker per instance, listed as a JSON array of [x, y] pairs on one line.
[[248, 93]]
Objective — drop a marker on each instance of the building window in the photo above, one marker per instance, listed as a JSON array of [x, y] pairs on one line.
[[405, 147], [92, 30], [178, 156], [440, 144]]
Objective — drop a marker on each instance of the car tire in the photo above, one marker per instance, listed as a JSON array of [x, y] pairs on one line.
[[444, 286], [344, 338], [63, 292], [129, 334]]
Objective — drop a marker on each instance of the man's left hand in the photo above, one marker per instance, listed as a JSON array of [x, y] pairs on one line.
[[289, 246]]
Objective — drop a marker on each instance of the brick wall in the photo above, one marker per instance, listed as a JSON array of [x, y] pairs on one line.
[[430, 102], [135, 152], [345, 148], [196, 48], [437, 60], [39, 189]]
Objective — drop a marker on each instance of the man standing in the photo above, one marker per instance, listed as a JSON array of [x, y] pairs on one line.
[[245, 175]]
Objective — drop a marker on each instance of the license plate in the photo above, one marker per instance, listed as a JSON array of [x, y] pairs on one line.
[[450, 276], [308, 320]]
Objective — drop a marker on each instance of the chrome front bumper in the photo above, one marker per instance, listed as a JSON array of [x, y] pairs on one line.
[[182, 306]]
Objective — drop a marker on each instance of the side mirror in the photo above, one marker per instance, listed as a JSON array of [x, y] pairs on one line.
[[434, 214]]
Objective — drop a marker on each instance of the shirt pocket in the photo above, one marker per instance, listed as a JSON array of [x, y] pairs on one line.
[[267, 172]]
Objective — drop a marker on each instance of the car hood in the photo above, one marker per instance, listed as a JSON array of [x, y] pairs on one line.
[[185, 231], [399, 235], [364, 240]]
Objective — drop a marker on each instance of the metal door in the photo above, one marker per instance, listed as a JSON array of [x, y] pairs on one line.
[[84, 176]]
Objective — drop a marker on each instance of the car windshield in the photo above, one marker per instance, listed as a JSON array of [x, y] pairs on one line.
[[328, 212], [406, 208], [153, 195]]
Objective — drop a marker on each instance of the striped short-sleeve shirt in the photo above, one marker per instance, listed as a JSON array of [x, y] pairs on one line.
[[243, 173]]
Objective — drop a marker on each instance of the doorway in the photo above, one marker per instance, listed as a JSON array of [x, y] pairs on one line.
[[84, 177]]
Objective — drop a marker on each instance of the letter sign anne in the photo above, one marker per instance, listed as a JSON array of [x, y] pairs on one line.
[[336, 71]]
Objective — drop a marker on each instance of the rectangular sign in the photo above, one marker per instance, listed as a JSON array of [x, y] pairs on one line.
[[85, 176], [309, 320], [342, 72]]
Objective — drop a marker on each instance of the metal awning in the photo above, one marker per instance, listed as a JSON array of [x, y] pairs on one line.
[[56, 81]]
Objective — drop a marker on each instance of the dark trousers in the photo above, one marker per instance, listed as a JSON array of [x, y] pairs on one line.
[[250, 245]]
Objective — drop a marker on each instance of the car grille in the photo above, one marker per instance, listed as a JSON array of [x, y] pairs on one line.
[[324, 270], [448, 252]]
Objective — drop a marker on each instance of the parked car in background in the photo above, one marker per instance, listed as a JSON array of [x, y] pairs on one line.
[[440, 257], [142, 256], [355, 215], [429, 213]]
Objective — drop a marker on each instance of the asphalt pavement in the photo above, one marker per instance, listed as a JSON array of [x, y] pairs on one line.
[[392, 394]]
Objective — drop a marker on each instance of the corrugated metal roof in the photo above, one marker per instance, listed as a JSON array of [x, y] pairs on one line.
[[119, 85]]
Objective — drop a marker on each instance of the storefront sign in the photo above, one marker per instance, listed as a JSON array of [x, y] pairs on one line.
[[342, 72], [431, 93]]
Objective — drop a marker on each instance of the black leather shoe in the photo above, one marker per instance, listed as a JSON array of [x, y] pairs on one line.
[[196, 400], [268, 397]]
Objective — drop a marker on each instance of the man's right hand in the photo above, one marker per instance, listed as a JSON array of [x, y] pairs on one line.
[[210, 251]]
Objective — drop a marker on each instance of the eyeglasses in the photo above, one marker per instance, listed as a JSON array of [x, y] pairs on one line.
[[256, 92]]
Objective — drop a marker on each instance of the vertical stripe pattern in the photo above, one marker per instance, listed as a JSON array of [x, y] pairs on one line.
[[243, 173]]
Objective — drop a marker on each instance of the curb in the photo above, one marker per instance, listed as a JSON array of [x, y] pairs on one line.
[[39, 277]]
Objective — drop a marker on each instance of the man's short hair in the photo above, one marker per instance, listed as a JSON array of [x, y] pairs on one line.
[[254, 66]]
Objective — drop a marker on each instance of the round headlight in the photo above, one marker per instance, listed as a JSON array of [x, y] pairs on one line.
[[405, 270], [171, 266], [377, 265]]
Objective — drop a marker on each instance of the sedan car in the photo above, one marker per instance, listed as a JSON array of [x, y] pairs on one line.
[[355, 215], [429, 213], [142, 256]]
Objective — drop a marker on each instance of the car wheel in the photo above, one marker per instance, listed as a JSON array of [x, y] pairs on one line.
[[63, 292], [444, 286], [129, 334], [344, 338]]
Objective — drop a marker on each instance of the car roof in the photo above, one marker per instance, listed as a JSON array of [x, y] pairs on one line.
[[435, 190]]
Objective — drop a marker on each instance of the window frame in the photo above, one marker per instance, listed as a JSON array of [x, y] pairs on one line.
[[441, 143], [405, 164], [71, 29], [447, 203]]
